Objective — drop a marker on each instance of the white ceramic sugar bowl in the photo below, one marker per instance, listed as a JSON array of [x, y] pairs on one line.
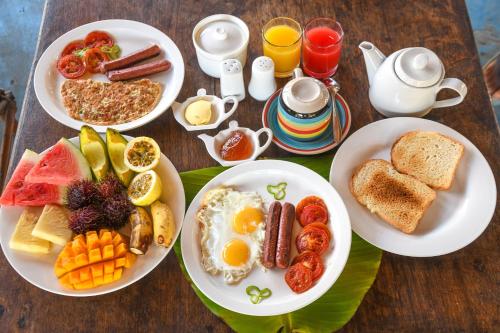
[[407, 82]]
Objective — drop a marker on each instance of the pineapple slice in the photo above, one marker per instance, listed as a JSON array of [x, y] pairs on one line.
[[93, 259], [22, 239], [53, 225]]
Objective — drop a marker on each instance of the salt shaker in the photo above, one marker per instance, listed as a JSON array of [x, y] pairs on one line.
[[262, 84], [231, 79]]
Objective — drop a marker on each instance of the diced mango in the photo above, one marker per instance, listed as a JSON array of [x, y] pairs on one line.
[[117, 274], [82, 260], [106, 238], [121, 250], [119, 262], [129, 259], [107, 252], [109, 267], [108, 278], [93, 259]]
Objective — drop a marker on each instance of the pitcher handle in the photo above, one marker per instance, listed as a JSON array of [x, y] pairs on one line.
[[454, 84], [229, 113], [269, 133]]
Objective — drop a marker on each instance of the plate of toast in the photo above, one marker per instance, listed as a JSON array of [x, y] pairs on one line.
[[414, 187]]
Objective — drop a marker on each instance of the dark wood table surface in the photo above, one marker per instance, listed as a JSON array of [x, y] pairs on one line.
[[458, 292]]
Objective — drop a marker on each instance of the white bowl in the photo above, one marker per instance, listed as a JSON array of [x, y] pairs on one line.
[[211, 63]]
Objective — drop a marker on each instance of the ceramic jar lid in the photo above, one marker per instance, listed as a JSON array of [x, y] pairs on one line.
[[305, 95], [419, 67], [221, 34]]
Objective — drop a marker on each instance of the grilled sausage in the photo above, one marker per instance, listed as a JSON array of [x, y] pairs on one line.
[[287, 218], [133, 58], [139, 70], [271, 238]]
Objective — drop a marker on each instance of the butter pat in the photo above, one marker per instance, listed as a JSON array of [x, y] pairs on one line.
[[199, 112], [22, 239], [53, 225]]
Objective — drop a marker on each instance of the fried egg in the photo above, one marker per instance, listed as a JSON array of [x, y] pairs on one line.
[[232, 225]]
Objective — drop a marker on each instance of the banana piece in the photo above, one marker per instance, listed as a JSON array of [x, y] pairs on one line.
[[142, 231], [163, 224]]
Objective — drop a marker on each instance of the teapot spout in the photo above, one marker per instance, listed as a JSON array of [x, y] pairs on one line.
[[207, 139], [373, 59]]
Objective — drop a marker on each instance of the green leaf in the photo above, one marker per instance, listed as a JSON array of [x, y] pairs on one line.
[[331, 311]]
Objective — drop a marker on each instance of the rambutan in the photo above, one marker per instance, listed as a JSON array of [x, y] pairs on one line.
[[86, 219], [117, 210], [110, 186], [82, 193]]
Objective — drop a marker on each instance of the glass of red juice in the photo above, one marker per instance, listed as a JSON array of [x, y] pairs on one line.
[[322, 44]]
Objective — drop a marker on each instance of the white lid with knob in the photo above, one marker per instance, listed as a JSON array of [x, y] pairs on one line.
[[419, 67]]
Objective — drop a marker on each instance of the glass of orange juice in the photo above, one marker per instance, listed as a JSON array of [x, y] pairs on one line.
[[282, 39]]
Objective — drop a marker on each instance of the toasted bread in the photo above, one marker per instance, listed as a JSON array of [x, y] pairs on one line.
[[398, 199], [428, 156]]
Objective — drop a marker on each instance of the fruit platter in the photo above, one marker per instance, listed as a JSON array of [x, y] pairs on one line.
[[91, 214]]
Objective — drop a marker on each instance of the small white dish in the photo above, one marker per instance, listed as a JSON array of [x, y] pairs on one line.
[[255, 176], [219, 113], [39, 270], [214, 143], [456, 217], [130, 36]]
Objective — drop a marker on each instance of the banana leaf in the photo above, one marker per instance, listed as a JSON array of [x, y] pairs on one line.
[[328, 313]]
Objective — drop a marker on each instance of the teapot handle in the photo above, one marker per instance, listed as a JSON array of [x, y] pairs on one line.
[[454, 84]]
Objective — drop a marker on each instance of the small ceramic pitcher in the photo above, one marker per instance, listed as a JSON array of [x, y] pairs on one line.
[[214, 143]]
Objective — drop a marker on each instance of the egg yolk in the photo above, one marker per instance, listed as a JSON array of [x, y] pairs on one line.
[[247, 220], [236, 252]]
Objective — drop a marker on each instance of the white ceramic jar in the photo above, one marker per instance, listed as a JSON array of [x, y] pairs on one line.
[[217, 38]]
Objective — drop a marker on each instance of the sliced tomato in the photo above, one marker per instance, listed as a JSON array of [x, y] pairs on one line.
[[98, 39], [312, 261], [93, 59], [313, 213], [73, 46], [312, 239], [299, 278], [71, 66], [321, 226], [310, 200]]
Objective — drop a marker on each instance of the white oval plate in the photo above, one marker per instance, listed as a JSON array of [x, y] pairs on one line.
[[255, 176], [39, 269], [130, 36], [457, 216]]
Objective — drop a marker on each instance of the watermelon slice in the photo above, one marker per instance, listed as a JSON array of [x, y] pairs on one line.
[[19, 192], [60, 165]]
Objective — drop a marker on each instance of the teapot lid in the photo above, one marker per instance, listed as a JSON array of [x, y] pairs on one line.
[[419, 67]]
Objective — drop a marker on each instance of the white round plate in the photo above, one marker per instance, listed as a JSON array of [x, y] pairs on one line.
[[130, 36], [456, 217], [255, 176], [39, 269]]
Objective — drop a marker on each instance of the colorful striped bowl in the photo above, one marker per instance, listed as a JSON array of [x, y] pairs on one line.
[[303, 127]]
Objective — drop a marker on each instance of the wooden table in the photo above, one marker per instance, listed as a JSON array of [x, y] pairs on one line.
[[458, 292]]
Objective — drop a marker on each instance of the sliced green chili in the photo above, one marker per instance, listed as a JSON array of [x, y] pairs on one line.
[[257, 295], [278, 191]]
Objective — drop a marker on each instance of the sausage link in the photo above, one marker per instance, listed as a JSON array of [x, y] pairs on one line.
[[283, 247], [271, 238], [140, 70], [133, 58]]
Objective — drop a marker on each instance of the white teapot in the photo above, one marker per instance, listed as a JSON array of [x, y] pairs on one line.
[[407, 82]]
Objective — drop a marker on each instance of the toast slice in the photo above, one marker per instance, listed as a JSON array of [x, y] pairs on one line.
[[398, 199], [428, 156]]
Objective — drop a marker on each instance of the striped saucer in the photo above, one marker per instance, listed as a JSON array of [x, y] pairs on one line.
[[320, 145]]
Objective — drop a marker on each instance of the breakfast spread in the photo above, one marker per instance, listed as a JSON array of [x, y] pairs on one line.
[[76, 202], [104, 103], [401, 192]]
